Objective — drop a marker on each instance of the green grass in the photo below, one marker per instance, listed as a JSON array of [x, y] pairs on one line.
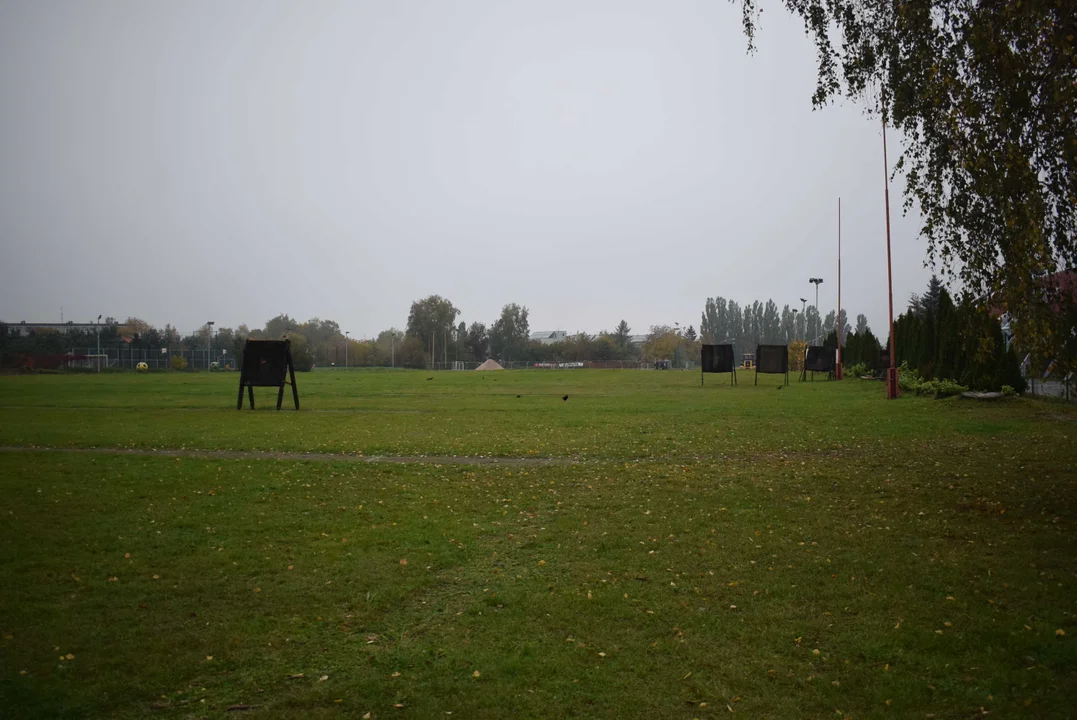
[[700, 546]]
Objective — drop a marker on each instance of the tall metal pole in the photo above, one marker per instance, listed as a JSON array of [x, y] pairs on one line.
[[837, 366], [98, 343], [345, 350], [209, 343], [817, 282], [891, 375]]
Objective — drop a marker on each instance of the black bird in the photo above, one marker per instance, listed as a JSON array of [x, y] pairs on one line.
[[565, 398], [780, 387], [430, 378], [517, 396]]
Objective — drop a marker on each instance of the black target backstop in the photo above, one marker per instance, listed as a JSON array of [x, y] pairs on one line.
[[773, 360], [267, 363], [717, 359], [818, 359]]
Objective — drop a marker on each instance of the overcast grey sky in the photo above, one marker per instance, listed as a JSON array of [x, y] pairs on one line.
[[228, 161]]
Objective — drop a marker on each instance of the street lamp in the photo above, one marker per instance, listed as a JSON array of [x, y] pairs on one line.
[[816, 282], [98, 343], [209, 343], [346, 333], [804, 316], [795, 311]]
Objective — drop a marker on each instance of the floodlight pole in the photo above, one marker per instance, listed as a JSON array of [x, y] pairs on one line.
[[209, 342], [817, 282], [892, 374], [346, 349], [98, 343], [837, 365]]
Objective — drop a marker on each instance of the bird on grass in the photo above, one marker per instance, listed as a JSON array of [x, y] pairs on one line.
[[517, 396], [430, 378], [780, 387], [565, 398]]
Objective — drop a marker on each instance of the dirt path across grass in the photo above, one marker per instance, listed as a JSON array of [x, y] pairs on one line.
[[315, 457]]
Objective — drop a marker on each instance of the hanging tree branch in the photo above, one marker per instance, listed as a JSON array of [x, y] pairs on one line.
[[984, 94]]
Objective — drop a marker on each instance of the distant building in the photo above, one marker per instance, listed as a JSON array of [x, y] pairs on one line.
[[548, 337], [24, 328], [637, 340]]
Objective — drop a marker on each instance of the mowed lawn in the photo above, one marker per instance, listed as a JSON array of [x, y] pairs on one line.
[[646, 548]]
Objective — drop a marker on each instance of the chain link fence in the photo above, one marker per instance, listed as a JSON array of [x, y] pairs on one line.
[[128, 358]]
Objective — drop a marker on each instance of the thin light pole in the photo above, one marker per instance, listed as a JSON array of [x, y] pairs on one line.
[[209, 344], [345, 349], [816, 282], [891, 375], [98, 343], [837, 368]]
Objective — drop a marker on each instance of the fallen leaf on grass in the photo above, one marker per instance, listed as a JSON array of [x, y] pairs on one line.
[[323, 678], [1060, 633], [404, 561], [395, 674], [297, 676], [209, 657]]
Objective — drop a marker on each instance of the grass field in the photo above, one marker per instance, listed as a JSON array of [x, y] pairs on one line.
[[475, 546]]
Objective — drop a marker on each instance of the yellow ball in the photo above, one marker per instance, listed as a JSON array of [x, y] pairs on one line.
[[142, 367]]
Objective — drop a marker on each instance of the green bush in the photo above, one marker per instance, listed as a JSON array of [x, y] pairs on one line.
[[178, 362], [1008, 391], [857, 369], [910, 380]]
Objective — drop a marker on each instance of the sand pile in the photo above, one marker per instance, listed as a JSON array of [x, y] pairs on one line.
[[490, 364]]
